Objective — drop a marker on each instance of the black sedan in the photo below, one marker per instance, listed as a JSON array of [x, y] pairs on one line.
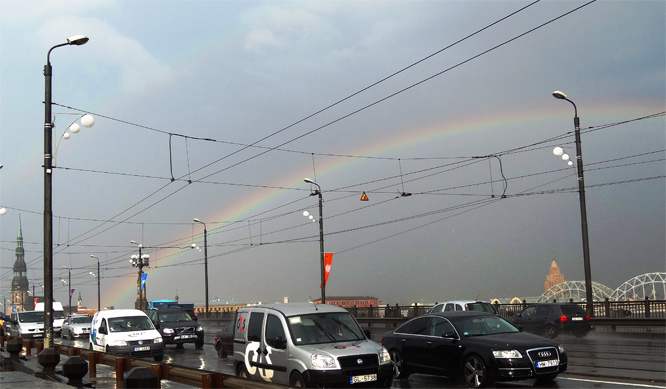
[[551, 319], [480, 347]]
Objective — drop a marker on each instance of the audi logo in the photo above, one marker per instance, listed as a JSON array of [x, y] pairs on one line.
[[544, 354], [359, 361]]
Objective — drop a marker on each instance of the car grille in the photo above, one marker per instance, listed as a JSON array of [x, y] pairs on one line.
[[544, 354], [140, 342], [184, 330], [351, 366]]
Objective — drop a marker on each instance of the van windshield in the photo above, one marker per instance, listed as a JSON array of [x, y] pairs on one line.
[[58, 314], [130, 323], [324, 328], [31, 316]]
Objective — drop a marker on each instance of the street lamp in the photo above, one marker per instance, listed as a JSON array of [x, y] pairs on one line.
[[321, 237], [48, 188], [583, 209], [99, 305], [205, 261], [69, 287], [140, 261]]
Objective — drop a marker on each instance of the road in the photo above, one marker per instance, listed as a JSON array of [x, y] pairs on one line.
[[600, 360]]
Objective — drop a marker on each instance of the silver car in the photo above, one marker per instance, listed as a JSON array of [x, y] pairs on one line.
[[76, 326]]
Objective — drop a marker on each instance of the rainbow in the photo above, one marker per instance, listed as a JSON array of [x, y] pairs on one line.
[[487, 125]]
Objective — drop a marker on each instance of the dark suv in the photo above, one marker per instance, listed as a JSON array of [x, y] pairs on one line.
[[176, 326], [551, 319]]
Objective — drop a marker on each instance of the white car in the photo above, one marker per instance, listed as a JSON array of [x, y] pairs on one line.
[[76, 326], [464, 305]]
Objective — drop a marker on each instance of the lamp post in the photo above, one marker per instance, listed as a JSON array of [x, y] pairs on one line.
[[140, 261], [583, 210], [321, 238], [48, 209], [205, 261], [69, 287], [99, 305]]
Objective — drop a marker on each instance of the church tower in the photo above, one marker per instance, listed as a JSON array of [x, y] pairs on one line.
[[20, 284]]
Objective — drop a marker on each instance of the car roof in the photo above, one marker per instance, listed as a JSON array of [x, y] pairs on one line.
[[121, 312], [454, 314], [464, 302], [291, 309], [167, 309]]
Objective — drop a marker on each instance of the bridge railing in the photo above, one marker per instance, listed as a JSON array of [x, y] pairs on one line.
[[642, 309]]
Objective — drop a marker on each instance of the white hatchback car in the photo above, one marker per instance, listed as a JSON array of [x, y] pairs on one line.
[[464, 305]]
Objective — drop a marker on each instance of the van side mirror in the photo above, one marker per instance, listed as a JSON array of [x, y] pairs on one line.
[[279, 343], [102, 331]]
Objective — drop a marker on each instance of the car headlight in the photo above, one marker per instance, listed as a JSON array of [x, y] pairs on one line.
[[168, 331], [77, 330], [507, 354], [559, 346], [200, 329], [157, 340], [117, 343], [384, 355], [323, 361]]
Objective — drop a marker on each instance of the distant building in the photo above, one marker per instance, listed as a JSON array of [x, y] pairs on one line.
[[20, 284], [554, 278], [351, 301]]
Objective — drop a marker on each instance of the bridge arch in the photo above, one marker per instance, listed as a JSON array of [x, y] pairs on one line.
[[575, 290], [652, 285]]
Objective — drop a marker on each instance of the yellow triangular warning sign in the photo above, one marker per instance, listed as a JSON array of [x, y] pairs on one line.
[[364, 197]]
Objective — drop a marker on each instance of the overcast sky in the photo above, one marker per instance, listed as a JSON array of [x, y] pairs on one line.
[[218, 110]]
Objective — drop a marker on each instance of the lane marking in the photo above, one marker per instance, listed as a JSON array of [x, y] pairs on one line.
[[611, 382]]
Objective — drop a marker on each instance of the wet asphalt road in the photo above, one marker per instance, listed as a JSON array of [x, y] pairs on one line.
[[600, 360]]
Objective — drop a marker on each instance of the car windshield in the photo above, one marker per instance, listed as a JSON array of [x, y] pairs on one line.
[[130, 323], [324, 328], [81, 320], [173, 316], [31, 317], [482, 325], [482, 307]]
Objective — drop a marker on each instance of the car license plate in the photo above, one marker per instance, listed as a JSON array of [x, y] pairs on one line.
[[357, 379], [185, 337], [144, 348], [550, 363], [576, 318]]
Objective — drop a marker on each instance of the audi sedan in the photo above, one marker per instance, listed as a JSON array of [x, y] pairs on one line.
[[480, 347]]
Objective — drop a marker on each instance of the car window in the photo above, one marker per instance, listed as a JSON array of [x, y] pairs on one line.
[[130, 323], [418, 326], [542, 310], [482, 307], [254, 328], [438, 308], [529, 311], [80, 320], [274, 335], [572, 309], [440, 326], [486, 325], [450, 307], [173, 316]]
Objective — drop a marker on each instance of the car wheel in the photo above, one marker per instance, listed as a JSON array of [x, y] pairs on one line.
[[296, 380], [475, 372], [220, 351], [399, 368], [199, 344], [242, 372], [550, 331], [158, 358]]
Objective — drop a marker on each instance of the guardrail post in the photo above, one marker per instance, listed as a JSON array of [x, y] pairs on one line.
[[607, 307], [161, 370], [28, 347], [371, 312], [647, 306]]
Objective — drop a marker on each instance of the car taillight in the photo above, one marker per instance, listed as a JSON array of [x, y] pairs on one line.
[[563, 318], [587, 317]]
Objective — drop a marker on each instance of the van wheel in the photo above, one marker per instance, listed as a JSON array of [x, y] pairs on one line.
[[242, 372], [296, 380]]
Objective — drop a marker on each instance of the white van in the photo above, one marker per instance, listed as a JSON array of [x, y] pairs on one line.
[[58, 316], [126, 332], [27, 324], [307, 345]]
